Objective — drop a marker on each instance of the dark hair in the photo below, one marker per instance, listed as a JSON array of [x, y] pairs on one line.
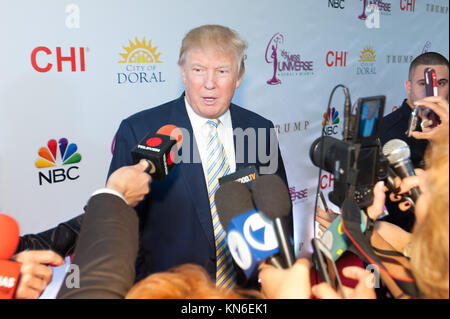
[[428, 58]]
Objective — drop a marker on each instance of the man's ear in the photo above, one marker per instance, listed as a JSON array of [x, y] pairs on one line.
[[408, 86], [238, 83], [183, 74]]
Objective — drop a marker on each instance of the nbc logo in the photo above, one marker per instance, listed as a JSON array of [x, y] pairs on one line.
[[48, 158], [140, 59], [330, 122]]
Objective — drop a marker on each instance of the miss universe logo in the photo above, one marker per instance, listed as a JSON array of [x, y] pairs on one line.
[[284, 63]]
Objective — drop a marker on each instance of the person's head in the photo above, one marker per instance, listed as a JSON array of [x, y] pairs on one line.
[[187, 281], [415, 85], [430, 243], [212, 65]]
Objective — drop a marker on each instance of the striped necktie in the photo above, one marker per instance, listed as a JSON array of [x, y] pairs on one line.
[[217, 167]]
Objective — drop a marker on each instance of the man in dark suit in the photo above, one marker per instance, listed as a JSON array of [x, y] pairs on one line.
[[395, 124], [178, 220]]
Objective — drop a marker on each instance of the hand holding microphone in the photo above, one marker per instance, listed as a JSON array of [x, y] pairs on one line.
[[25, 275], [398, 153], [131, 181], [160, 150]]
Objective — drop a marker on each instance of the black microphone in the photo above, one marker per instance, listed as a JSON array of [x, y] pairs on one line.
[[243, 224], [398, 153], [272, 198], [159, 150]]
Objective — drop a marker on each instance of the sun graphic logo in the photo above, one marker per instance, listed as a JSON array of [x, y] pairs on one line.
[[367, 55], [330, 122], [141, 62], [140, 52], [48, 157]]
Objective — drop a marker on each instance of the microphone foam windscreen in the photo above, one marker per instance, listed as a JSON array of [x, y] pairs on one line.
[[396, 150], [172, 131], [232, 199], [9, 236], [271, 196]]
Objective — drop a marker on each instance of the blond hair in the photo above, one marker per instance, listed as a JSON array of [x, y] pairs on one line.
[[222, 38], [430, 243], [187, 281]]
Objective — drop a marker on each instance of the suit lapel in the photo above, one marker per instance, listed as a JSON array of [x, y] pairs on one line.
[[238, 121], [191, 173]]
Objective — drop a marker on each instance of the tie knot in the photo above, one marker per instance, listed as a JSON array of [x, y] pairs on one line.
[[214, 123]]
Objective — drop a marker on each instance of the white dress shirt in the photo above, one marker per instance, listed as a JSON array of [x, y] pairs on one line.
[[202, 130]]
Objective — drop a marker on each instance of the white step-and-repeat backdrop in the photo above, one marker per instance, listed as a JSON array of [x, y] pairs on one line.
[[69, 75]]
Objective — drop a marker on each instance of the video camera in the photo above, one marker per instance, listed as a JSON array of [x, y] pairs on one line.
[[357, 161]]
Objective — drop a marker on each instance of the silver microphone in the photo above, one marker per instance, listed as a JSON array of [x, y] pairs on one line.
[[397, 152]]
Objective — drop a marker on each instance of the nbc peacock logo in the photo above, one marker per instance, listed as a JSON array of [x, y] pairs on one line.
[[142, 63], [49, 159], [330, 121]]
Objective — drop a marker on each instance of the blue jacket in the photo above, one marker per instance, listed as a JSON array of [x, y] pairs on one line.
[[175, 223]]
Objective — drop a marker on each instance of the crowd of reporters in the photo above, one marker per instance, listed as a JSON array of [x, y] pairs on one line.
[[107, 241]]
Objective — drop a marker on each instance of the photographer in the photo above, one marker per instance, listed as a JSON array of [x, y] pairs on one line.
[[427, 245]]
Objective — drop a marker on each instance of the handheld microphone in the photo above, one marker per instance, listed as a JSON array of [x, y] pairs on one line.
[[397, 152], [250, 236], [272, 198], [9, 270], [159, 150]]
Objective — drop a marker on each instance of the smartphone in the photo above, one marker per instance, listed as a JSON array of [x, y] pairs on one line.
[[431, 89], [324, 263]]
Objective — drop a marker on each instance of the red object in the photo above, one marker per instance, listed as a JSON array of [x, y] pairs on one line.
[[9, 276], [154, 141], [170, 158], [172, 131], [9, 236], [347, 259]]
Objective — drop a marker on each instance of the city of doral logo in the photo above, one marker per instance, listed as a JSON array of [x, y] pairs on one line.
[[330, 122], [140, 63], [367, 61], [48, 159], [284, 63]]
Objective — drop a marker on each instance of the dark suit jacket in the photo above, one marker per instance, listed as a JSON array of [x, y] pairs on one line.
[[106, 250], [394, 126], [174, 219]]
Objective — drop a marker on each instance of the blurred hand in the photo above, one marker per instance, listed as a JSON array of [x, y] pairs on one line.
[[325, 218], [292, 283], [35, 274], [362, 290], [405, 185], [440, 106], [376, 209], [132, 181]]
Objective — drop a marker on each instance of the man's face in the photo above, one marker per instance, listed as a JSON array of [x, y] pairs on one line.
[[416, 86], [210, 78]]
